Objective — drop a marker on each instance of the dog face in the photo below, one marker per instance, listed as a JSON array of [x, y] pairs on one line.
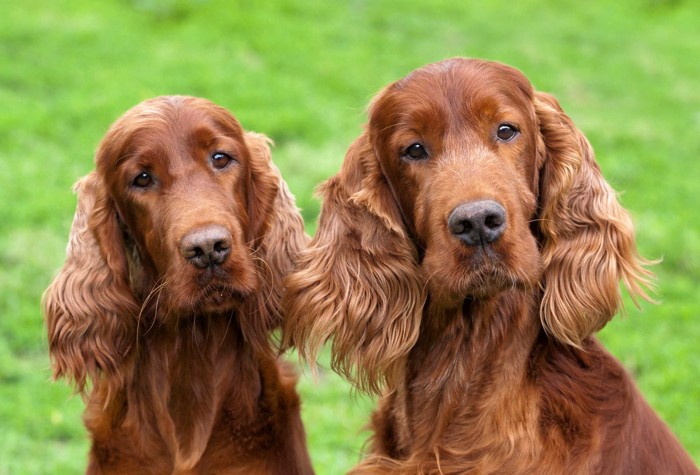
[[177, 172], [178, 175], [458, 143], [466, 183]]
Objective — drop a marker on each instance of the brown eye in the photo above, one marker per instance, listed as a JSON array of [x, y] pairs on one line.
[[142, 180], [415, 151], [220, 160], [506, 132]]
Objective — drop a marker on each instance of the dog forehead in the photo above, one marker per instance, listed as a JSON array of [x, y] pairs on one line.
[[464, 71], [455, 87], [164, 131]]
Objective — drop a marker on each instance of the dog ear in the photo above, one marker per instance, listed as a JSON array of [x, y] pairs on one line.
[[263, 184], [89, 309], [358, 281], [277, 231], [588, 241]]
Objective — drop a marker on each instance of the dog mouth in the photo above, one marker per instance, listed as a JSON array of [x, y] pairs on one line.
[[220, 298], [217, 297], [488, 273], [488, 280], [210, 291], [219, 287], [478, 274], [212, 278]]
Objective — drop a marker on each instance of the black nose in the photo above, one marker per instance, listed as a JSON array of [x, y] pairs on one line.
[[205, 247], [478, 223]]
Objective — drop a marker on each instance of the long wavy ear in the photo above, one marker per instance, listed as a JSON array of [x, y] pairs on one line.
[[89, 310], [277, 229], [588, 241], [358, 281]]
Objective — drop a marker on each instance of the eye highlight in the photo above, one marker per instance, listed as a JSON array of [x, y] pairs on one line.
[[221, 160], [506, 132], [142, 180], [415, 151]]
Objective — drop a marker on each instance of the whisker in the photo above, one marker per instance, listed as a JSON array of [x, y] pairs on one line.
[[157, 292], [253, 241], [228, 325], [268, 269], [539, 220]]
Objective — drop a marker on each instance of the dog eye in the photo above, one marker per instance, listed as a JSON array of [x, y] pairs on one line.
[[220, 160], [143, 180], [416, 151], [506, 132]]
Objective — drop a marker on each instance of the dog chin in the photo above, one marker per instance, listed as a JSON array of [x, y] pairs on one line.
[[222, 298], [490, 282], [477, 283], [213, 299]]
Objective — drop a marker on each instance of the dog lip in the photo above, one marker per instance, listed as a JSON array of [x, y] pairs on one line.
[[484, 273], [210, 276], [220, 297], [226, 288], [481, 258], [216, 298]]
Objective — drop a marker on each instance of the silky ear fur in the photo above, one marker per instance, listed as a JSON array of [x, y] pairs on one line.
[[358, 281], [587, 238], [277, 235], [89, 309]]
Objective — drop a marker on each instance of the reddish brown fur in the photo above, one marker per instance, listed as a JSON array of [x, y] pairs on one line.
[[484, 354], [175, 362]]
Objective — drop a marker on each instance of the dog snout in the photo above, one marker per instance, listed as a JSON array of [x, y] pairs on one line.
[[206, 247], [478, 223]]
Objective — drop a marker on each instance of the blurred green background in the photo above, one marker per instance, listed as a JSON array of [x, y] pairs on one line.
[[626, 71]]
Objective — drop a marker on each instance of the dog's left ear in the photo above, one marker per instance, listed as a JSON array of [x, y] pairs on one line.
[[276, 228], [587, 238]]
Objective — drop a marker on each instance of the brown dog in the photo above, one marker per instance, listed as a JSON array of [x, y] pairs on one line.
[[169, 293], [466, 253]]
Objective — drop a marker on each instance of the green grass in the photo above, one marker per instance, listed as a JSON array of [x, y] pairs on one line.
[[302, 71]]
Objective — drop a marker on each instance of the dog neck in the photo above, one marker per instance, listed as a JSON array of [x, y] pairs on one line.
[[467, 358], [183, 379]]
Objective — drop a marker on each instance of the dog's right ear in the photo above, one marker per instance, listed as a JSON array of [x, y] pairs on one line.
[[358, 281], [89, 309]]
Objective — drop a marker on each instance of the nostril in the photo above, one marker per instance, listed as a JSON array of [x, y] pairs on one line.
[[190, 250], [220, 252], [221, 246], [462, 227], [494, 221]]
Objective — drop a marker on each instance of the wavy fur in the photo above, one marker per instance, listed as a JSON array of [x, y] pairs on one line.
[[360, 264], [588, 244]]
